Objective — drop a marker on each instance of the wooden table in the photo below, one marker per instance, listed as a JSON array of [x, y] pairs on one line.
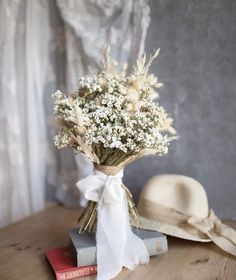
[[22, 247]]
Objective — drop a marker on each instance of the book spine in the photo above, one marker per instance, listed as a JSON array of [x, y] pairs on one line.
[[86, 256], [77, 272]]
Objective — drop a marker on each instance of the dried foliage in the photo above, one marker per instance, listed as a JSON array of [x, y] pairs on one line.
[[112, 117]]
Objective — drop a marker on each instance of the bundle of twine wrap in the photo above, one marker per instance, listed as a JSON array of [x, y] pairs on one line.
[[88, 219]]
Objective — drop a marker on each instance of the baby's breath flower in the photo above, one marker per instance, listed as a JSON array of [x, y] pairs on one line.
[[62, 139], [115, 112]]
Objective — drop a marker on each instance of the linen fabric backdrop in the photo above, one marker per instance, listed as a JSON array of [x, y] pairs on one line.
[[44, 46]]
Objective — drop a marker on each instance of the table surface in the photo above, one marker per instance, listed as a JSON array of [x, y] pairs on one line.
[[22, 247]]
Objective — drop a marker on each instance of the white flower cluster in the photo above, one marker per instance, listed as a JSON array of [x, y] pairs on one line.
[[62, 139], [114, 114], [91, 84], [109, 115]]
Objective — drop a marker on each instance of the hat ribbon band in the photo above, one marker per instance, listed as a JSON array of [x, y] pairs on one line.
[[221, 234]]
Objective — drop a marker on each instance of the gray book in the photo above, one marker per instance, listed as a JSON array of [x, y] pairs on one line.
[[83, 246]]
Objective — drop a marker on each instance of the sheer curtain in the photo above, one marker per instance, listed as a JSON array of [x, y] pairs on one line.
[[45, 45], [23, 58]]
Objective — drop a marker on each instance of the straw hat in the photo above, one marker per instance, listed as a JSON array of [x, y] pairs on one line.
[[177, 205]]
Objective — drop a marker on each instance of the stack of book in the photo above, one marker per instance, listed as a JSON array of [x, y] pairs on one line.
[[79, 257]]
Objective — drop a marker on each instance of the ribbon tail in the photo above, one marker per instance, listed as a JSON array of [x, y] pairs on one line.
[[223, 235], [224, 241], [117, 246], [110, 241], [134, 246], [132, 257]]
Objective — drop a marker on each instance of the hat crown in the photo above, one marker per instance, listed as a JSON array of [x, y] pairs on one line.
[[182, 193]]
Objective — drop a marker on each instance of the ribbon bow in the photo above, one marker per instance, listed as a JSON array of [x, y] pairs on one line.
[[117, 245], [221, 234]]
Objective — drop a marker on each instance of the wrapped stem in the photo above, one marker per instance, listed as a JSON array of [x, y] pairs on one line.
[[88, 219]]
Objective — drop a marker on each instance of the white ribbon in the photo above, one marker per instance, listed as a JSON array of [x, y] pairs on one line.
[[117, 245]]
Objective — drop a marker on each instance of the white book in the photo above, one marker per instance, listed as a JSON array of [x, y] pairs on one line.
[[83, 245]]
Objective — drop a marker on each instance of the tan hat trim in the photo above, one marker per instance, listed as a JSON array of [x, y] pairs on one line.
[[221, 234]]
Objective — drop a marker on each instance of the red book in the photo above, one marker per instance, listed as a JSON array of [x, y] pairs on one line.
[[64, 264]]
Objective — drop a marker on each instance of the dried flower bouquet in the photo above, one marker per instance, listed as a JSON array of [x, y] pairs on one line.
[[112, 119]]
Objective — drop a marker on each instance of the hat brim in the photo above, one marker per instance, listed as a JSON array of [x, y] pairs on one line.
[[184, 230]]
